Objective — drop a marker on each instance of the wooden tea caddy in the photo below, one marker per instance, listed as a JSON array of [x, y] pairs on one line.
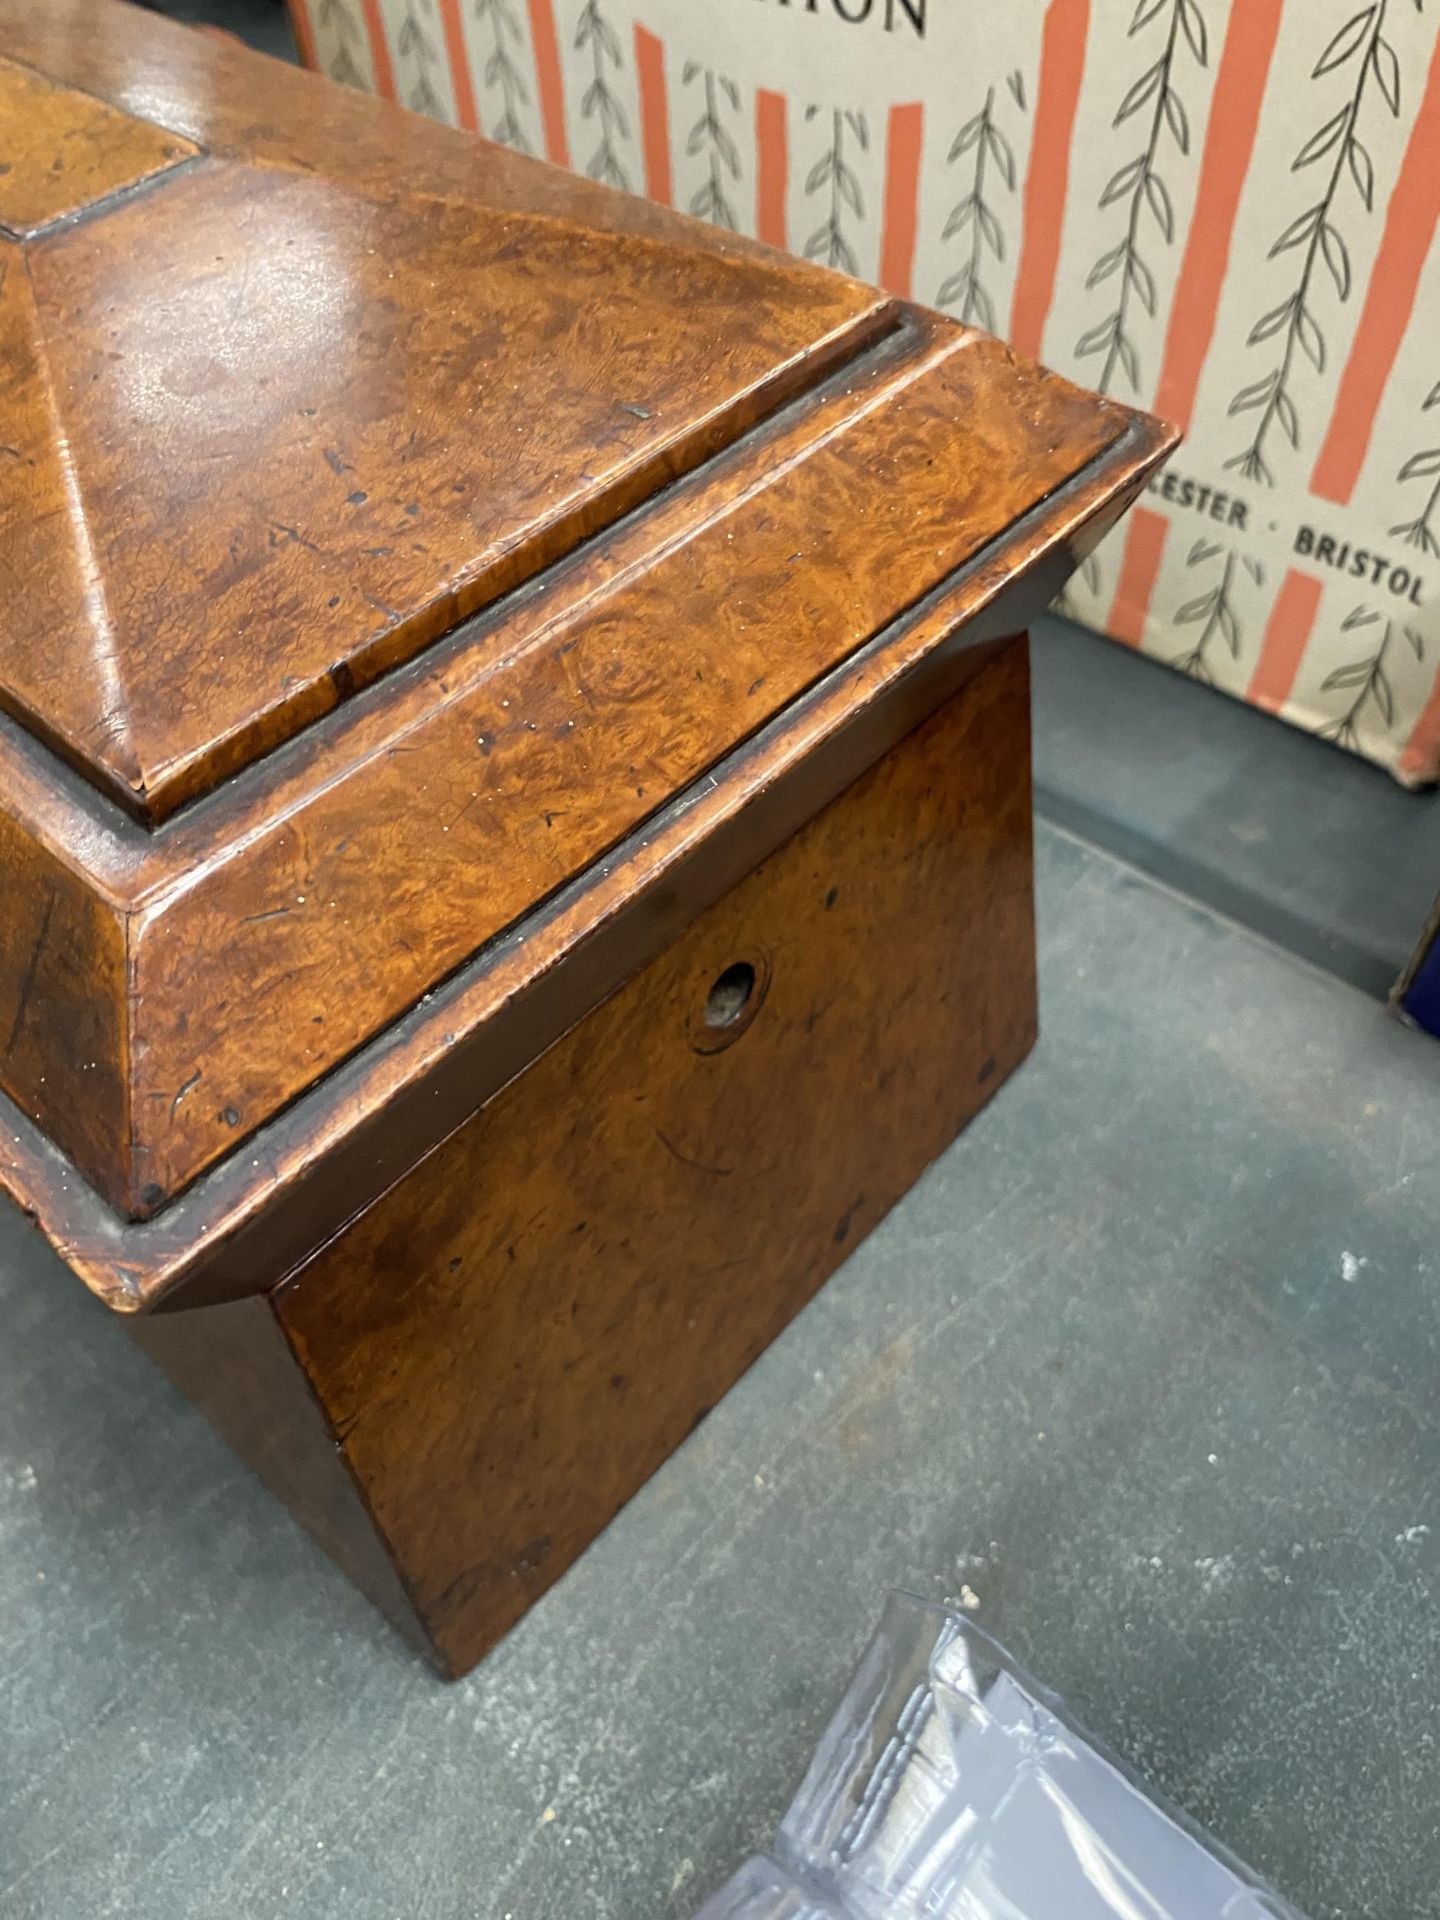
[[514, 780]]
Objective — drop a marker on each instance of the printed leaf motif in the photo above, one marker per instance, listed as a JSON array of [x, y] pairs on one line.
[[1158, 194], [989, 228], [1143, 88], [1362, 172], [1213, 612], [1254, 396], [1197, 609], [1143, 281], [1352, 676], [1321, 141], [709, 135], [1121, 183], [1271, 323], [1337, 258], [1298, 232], [1002, 153], [1193, 21], [417, 56], [990, 156], [961, 214], [412, 38], [1105, 265], [829, 242], [1311, 339], [1367, 677], [1347, 42], [1153, 99], [1419, 532], [973, 130], [1098, 337], [599, 102], [502, 73], [1177, 120], [1387, 73], [1314, 235], [1384, 699]]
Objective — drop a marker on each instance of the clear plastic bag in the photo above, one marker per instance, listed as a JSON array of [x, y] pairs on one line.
[[949, 1786]]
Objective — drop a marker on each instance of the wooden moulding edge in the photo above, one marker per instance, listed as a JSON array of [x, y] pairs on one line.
[[243, 1226]]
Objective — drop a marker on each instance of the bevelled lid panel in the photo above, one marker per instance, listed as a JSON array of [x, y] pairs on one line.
[[65, 151], [275, 419], [645, 539]]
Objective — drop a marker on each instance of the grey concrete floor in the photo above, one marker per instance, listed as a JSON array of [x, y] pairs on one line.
[[1148, 1360], [1318, 850]]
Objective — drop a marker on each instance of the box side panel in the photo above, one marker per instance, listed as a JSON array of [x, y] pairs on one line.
[[62, 1006], [515, 1338]]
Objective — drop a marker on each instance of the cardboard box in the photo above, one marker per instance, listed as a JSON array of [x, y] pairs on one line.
[[1223, 212]]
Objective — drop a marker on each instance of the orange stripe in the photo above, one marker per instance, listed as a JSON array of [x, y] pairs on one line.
[[1229, 143], [379, 49], [904, 142], [654, 115], [303, 29], [772, 167], [1420, 757], [1389, 302], [1139, 570], [1062, 67], [546, 43], [1287, 634], [460, 82]]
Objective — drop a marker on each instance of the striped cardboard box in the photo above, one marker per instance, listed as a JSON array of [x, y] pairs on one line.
[[1222, 209]]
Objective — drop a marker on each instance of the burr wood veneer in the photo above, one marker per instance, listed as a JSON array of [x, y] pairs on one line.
[[513, 779]]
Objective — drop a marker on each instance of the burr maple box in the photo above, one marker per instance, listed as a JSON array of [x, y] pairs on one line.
[[514, 792]]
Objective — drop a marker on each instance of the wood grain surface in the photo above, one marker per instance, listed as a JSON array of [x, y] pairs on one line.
[[274, 425], [736, 475], [367, 1122], [511, 1342], [63, 150], [509, 767]]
